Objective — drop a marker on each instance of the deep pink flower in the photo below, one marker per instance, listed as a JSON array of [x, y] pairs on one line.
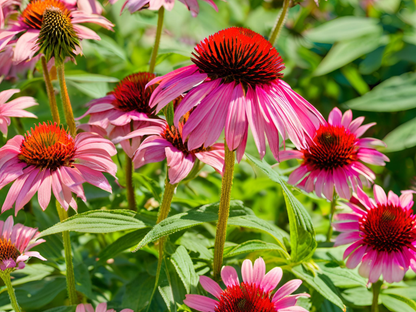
[[46, 158], [382, 234], [333, 157], [10, 71], [14, 108], [235, 88], [124, 109], [7, 8], [102, 307], [253, 294], [164, 141], [15, 244], [25, 31], [155, 5]]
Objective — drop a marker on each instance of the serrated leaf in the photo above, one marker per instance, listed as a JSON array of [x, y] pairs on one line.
[[342, 277], [251, 246], [239, 216], [321, 283], [97, 221], [302, 233], [392, 95], [402, 137], [185, 269], [398, 303]]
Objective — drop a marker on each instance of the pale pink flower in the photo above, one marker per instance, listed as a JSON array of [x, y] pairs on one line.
[[7, 8], [124, 109], [253, 294], [14, 108], [46, 158], [102, 307], [15, 244], [11, 71], [25, 31], [155, 5], [381, 234], [235, 83], [164, 141], [334, 156]]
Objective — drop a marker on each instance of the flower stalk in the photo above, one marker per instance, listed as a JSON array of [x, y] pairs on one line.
[[279, 23], [376, 291], [160, 17], [331, 218], [49, 91], [70, 276], [69, 115], [129, 184], [224, 209], [7, 281]]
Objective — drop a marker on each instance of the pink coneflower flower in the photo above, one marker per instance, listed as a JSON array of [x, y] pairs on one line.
[[46, 158], [124, 109], [236, 82], [155, 5], [164, 141], [47, 24], [253, 294], [382, 234], [15, 244], [10, 71], [102, 307], [7, 8], [14, 108], [333, 157]]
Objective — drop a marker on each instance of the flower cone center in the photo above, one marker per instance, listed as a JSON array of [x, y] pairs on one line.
[[8, 250], [174, 136], [47, 147], [132, 95], [332, 147], [245, 298], [240, 55], [33, 14], [388, 228]]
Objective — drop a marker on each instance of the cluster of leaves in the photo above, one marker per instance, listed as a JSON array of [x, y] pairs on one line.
[[341, 54]]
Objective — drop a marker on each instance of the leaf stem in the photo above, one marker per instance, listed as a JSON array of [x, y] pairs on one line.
[[160, 17], [49, 91], [331, 218], [69, 115], [7, 281], [163, 214], [279, 23], [129, 184], [224, 209], [70, 276], [376, 291]]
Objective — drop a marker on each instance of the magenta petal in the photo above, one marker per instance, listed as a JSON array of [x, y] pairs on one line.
[[200, 303], [210, 286], [229, 276], [286, 289]]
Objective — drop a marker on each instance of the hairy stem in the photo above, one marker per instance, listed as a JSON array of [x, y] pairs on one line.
[[331, 218], [7, 281], [161, 14], [49, 91], [163, 214], [279, 23], [129, 184], [224, 209], [69, 115], [376, 291], [70, 276]]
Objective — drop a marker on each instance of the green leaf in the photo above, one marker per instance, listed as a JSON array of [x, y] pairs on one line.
[[169, 114], [185, 268], [355, 79], [342, 277], [251, 246], [345, 52], [394, 94], [343, 28], [398, 303], [63, 309], [93, 89], [97, 221], [359, 296], [302, 233], [32, 272], [402, 137], [121, 244], [81, 76], [239, 216], [321, 283]]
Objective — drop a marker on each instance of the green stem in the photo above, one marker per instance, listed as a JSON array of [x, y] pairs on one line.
[[49, 91], [129, 184], [224, 209], [161, 14], [7, 281], [376, 291], [69, 115], [70, 276], [163, 214], [279, 23], [331, 218]]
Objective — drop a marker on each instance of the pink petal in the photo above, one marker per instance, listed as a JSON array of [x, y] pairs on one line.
[[210, 286], [229, 276]]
